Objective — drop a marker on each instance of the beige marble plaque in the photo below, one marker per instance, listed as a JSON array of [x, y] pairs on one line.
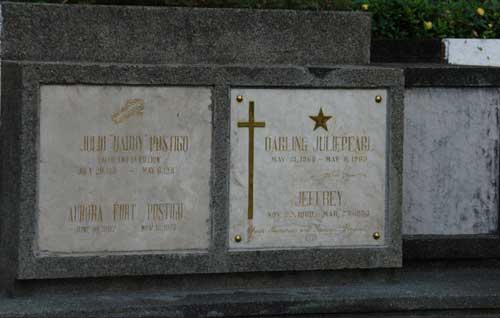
[[124, 169], [313, 171]]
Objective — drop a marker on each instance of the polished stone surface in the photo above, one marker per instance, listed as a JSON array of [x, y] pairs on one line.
[[124, 168], [319, 168]]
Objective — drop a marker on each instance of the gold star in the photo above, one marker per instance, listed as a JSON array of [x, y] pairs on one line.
[[320, 120]]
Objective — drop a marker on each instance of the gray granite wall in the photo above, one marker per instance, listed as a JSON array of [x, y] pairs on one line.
[[150, 35]]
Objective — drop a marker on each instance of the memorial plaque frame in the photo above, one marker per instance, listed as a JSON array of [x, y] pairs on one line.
[[480, 246], [20, 106]]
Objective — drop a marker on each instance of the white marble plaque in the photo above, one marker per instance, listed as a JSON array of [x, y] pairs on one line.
[[124, 168], [314, 172]]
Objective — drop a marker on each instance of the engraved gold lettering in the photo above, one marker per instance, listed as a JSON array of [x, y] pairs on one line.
[[158, 212], [123, 212], [343, 144], [85, 213], [93, 144], [319, 198], [285, 143], [133, 107], [127, 143], [169, 143]]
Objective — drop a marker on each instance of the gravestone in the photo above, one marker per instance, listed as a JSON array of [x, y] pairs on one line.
[[150, 141], [123, 169], [123, 190], [326, 166]]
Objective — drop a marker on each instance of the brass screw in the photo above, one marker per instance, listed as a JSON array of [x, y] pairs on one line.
[[239, 98], [378, 99], [376, 235], [237, 238]]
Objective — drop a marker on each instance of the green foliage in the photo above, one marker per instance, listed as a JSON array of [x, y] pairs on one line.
[[407, 19]]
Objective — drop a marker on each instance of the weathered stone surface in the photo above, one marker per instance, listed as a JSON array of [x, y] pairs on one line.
[[318, 169], [423, 290], [451, 160], [22, 137], [472, 51], [124, 168], [149, 35]]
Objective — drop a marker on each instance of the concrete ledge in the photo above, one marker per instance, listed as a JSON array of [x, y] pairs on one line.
[[441, 287], [149, 35]]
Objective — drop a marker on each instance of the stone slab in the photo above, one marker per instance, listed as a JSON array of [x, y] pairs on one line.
[[318, 172], [451, 161], [124, 168], [153, 35], [425, 289], [21, 104], [483, 52]]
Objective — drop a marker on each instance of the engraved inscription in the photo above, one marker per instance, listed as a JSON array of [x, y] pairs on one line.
[[133, 107], [121, 171], [313, 174]]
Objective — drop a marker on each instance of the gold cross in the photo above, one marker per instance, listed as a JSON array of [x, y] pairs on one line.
[[251, 124]]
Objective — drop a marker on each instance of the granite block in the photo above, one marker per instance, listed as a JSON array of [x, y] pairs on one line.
[[153, 35]]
